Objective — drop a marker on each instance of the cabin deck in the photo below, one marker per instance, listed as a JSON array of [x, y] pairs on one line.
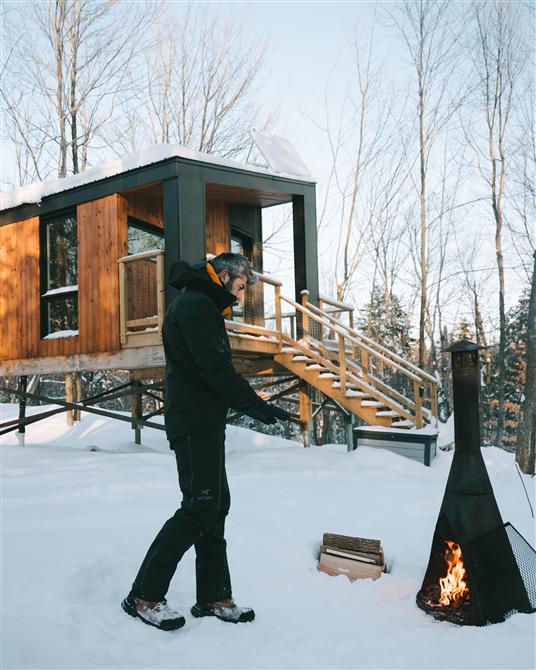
[[312, 343]]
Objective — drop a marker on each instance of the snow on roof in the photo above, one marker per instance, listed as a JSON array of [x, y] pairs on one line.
[[154, 153]]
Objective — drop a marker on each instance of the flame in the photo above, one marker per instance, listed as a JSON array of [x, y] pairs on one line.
[[453, 585]]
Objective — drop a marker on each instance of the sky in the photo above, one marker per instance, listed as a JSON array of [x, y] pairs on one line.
[[309, 59]]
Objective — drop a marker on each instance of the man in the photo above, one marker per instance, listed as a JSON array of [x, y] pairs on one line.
[[202, 385]]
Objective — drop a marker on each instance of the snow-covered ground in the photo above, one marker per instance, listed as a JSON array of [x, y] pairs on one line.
[[80, 506]]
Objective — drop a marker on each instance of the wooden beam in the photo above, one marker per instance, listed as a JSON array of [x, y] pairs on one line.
[[148, 373], [304, 395], [69, 396]]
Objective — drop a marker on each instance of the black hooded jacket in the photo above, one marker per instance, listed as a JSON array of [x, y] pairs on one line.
[[202, 383]]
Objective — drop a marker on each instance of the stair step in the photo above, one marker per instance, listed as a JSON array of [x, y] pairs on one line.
[[289, 350], [349, 385], [405, 423], [302, 358], [328, 375], [355, 394], [372, 403], [315, 366], [389, 412]]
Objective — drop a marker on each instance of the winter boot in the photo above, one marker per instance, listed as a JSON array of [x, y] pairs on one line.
[[159, 614], [230, 613]]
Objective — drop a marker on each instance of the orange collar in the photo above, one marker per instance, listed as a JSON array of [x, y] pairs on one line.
[[213, 275]]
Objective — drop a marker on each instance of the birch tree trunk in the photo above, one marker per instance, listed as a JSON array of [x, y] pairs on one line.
[[498, 67]]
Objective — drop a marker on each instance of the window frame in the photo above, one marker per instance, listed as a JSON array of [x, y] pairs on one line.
[[144, 226], [245, 239], [45, 300]]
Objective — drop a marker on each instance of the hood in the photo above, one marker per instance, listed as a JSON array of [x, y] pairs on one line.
[[183, 275]]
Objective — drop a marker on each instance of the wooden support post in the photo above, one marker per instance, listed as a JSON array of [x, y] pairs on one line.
[[349, 425], [122, 303], [342, 363], [136, 410], [304, 295], [278, 325], [69, 397], [23, 387], [417, 393], [365, 363], [77, 414], [305, 413], [433, 399]]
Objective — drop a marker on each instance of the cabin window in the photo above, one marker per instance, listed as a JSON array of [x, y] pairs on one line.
[[143, 236], [241, 243], [59, 275]]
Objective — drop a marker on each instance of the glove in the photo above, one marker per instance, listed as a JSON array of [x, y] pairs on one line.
[[268, 413]]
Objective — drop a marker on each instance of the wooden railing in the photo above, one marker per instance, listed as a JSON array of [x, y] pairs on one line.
[[354, 357], [141, 298], [316, 331]]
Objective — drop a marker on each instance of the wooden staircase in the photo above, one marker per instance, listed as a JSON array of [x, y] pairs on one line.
[[357, 398], [355, 371], [359, 374]]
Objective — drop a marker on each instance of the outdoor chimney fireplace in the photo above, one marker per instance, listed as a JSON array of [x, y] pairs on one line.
[[481, 570]]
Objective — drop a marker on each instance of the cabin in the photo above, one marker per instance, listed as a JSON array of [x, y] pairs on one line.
[[83, 267]]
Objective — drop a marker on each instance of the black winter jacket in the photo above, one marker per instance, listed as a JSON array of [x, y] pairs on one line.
[[202, 383]]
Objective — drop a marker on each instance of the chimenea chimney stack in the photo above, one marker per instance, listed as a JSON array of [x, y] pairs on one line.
[[480, 570]]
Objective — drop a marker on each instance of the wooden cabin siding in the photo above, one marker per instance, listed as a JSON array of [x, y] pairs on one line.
[[19, 294], [102, 239], [144, 207], [217, 228]]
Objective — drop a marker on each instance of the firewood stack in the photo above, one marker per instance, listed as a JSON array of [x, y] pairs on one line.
[[355, 557]]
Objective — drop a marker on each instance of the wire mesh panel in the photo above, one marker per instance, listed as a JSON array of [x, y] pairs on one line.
[[142, 291], [502, 565], [525, 557]]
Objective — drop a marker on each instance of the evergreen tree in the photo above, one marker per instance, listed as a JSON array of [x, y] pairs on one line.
[[386, 322], [463, 331], [516, 344]]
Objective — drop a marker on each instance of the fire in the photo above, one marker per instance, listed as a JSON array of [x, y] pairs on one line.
[[453, 585]]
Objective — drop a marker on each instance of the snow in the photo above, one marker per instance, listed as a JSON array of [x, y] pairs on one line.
[[58, 291], [81, 505], [61, 333], [154, 153]]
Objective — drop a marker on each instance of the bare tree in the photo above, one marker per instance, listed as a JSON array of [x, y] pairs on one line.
[[426, 31], [68, 66], [200, 84], [498, 60], [366, 177]]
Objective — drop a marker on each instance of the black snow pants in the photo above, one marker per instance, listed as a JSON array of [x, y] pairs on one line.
[[199, 522]]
